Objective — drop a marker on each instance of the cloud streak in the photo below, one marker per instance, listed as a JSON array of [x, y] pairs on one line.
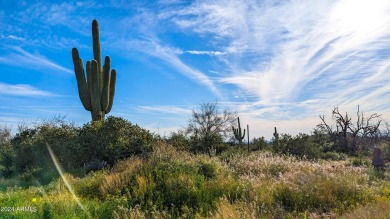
[[154, 48], [20, 57], [327, 53], [22, 90]]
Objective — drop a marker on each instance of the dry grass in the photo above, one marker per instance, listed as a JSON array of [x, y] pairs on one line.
[[380, 210], [255, 185]]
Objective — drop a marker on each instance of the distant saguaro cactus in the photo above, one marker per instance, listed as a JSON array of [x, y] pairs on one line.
[[97, 90], [247, 134], [237, 132], [276, 134]]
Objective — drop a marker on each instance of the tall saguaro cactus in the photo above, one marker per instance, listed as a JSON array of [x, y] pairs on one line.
[[97, 90], [237, 132]]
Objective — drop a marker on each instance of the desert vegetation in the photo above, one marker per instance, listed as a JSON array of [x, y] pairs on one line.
[[115, 169]]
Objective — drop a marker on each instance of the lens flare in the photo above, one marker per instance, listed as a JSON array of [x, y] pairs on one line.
[[61, 172]]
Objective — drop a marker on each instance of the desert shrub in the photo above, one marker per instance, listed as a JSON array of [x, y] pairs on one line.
[[332, 155], [205, 143], [47, 210], [385, 146], [280, 145], [179, 141], [104, 142], [170, 187], [28, 154], [303, 146], [22, 145], [112, 140], [320, 193], [322, 140], [62, 138], [95, 165], [5, 134], [259, 143], [372, 210], [208, 170], [7, 157], [359, 160], [89, 186], [375, 174], [177, 185], [231, 153]]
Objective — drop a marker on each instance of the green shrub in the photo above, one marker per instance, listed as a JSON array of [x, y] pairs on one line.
[[176, 187], [112, 140], [179, 141], [28, 154], [360, 161], [332, 155], [259, 143], [47, 212], [7, 157], [89, 185], [208, 170], [76, 148], [170, 187], [321, 194], [302, 146], [204, 144]]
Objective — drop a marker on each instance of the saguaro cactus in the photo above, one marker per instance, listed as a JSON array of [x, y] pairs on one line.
[[237, 132], [97, 90], [276, 140], [276, 134], [247, 134]]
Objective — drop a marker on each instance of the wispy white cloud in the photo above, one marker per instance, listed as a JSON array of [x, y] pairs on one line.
[[212, 53], [20, 57], [319, 53], [182, 111], [280, 62], [12, 37], [22, 90], [153, 47]]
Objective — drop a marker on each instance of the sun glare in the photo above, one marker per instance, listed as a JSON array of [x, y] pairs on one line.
[[360, 16]]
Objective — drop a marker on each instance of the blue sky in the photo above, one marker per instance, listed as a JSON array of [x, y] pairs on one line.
[[276, 63]]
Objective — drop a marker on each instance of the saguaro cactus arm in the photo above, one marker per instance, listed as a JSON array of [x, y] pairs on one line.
[[81, 81], [106, 84], [112, 90]]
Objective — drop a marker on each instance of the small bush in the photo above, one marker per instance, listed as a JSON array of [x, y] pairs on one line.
[[112, 140], [360, 161], [208, 170], [320, 193], [89, 185], [7, 158], [47, 212], [179, 141], [174, 184], [332, 155], [259, 143]]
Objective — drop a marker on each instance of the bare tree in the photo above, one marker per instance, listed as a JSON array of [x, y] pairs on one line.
[[347, 132], [5, 134], [209, 123]]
